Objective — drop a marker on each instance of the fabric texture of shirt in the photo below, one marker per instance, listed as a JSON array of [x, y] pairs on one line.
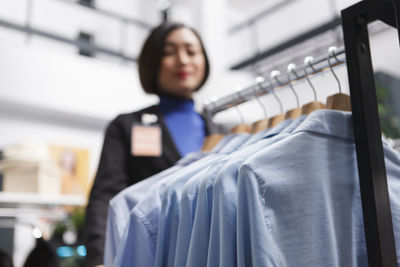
[[121, 205], [222, 243], [138, 243], [199, 242], [189, 201], [299, 201], [185, 125], [168, 224]]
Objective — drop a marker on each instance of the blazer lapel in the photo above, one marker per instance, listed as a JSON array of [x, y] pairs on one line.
[[170, 152]]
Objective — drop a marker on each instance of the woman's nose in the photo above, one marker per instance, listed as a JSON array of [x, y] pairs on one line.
[[183, 58]]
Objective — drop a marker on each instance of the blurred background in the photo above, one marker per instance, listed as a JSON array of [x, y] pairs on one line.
[[67, 67]]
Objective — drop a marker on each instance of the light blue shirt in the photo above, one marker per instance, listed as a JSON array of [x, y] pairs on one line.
[[222, 243], [199, 242], [299, 201], [121, 204], [189, 199], [138, 244], [168, 223], [267, 132]]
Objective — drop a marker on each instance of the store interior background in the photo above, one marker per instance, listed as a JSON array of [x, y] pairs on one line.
[[50, 93]]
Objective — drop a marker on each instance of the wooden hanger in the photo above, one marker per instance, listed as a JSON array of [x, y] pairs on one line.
[[295, 112], [242, 127], [337, 101], [211, 141], [314, 105], [275, 120], [259, 125], [267, 123], [262, 124]]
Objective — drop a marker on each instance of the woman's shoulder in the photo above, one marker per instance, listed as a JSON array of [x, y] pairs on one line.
[[135, 116]]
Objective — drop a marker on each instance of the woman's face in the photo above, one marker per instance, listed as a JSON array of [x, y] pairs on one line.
[[182, 65]]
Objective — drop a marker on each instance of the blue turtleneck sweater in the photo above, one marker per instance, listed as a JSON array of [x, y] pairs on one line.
[[184, 124]]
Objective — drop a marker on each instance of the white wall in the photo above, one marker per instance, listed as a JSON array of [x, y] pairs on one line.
[[50, 77], [67, 19], [77, 86]]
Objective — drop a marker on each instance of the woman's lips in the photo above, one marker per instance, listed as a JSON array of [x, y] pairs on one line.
[[182, 74]]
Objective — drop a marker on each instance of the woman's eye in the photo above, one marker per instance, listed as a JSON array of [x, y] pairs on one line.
[[193, 52], [168, 52]]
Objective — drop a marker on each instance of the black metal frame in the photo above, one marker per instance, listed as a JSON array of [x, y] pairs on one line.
[[367, 132]]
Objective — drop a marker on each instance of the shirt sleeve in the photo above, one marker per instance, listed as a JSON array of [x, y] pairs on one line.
[[111, 178], [137, 247], [252, 233], [112, 238], [222, 244]]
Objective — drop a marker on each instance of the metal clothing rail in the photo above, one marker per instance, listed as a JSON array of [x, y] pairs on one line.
[[367, 132], [257, 89]]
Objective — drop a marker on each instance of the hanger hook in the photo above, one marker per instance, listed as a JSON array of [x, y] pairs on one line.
[[259, 81], [239, 96], [274, 75], [308, 62], [332, 53], [291, 68], [209, 102]]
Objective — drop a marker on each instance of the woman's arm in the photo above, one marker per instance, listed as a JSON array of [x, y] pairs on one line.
[[110, 179]]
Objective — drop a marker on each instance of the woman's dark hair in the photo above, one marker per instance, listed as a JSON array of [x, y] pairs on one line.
[[152, 52]]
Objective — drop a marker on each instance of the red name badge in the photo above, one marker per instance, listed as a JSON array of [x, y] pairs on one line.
[[146, 140]]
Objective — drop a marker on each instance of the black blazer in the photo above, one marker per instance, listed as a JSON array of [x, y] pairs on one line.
[[117, 170]]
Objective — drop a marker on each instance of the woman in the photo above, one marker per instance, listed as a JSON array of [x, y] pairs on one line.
[[173, 65]]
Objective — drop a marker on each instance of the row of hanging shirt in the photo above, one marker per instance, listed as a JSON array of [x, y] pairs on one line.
[[285, 196]]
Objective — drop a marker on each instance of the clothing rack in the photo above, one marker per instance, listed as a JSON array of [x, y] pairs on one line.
[[260, 88], [378, 224]]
